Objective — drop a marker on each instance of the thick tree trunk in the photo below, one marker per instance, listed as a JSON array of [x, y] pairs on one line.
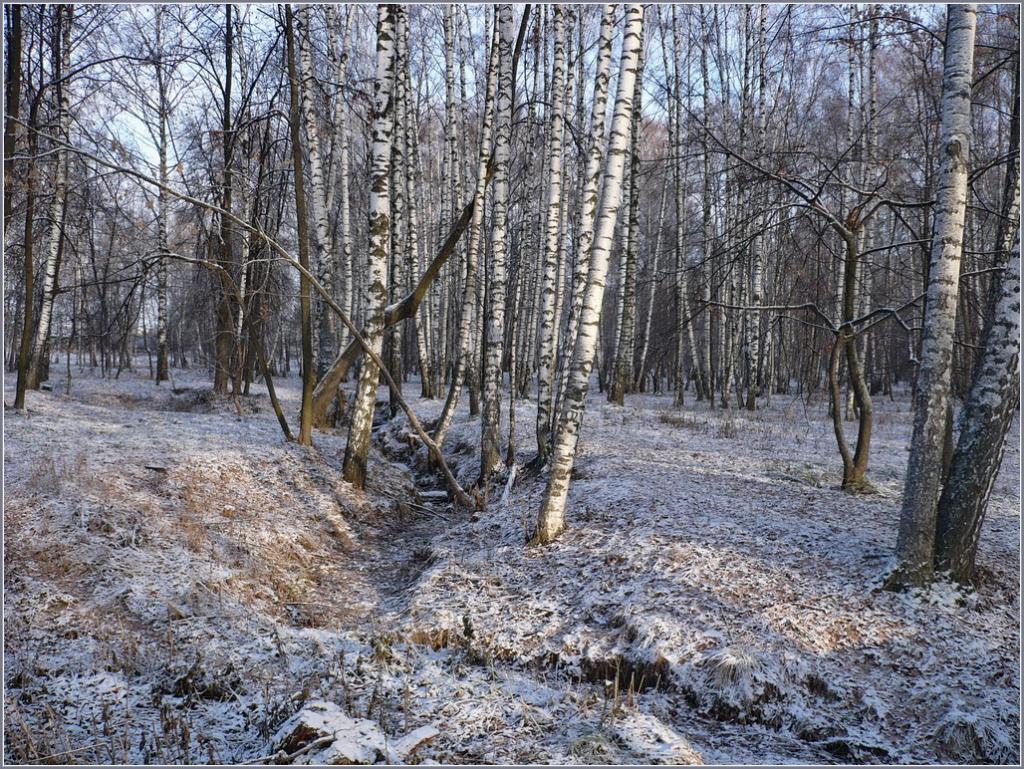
[[358, 447], [984, 422], [591, 186], [915, 546]]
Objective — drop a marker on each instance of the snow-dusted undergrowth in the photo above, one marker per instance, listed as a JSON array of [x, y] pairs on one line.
[[179, 582]]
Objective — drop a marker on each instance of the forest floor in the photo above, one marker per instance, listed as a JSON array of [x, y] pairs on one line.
[[179, 581]]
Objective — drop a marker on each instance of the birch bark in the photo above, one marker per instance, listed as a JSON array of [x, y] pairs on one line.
[[915, 545], [490, 432], [358, 447], [551, 519], [62, 65], [466, 320], [548, 330]]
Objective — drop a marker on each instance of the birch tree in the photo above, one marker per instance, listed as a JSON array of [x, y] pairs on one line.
[[323, 262], [341, 243], [551, 519], [591, 184], [308, 374], [490, 415], [625, 344], [548, 329], [994, 394], [358, 447], [464, 345], [985, 420], [754, 346], [39, 362], [915, 546], [684, 325]]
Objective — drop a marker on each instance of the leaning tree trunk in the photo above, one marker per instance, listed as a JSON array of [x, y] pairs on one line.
[[914, 549], [591, 186], [984, 422], [551, 519], [490, 432], [358, 447]]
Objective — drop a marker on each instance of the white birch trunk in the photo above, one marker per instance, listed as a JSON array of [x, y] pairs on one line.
[[342, 244], [754, 348], [551, 519], [323, 320], [646, 346], [466, 320], [490, 432], [592, 180], [60, 184], [985, 419], [549, 284], [625, 348], [914, 549], [358, 447]]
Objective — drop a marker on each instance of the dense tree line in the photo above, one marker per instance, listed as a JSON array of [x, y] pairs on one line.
[[727, 203]]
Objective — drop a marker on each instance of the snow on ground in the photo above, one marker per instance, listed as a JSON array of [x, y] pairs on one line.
[[179, 581]]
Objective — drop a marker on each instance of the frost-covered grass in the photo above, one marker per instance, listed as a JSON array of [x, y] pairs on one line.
[[180, 581], [711, 555]]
